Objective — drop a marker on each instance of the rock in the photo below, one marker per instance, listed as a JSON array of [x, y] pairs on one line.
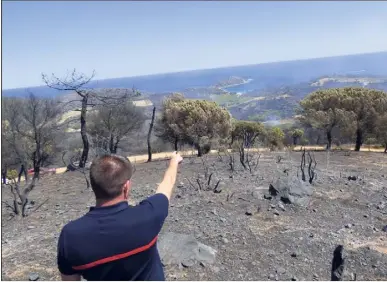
[[381, 206], [295, 254], [291, 190], [252, 210], [175, 248], [256, 194], [222, 219], [273, 191], [33, 277], [225, 240], [294, 278], [272, 206], [281, 270], [271, 277], [354, 178], [384, 229], [281, 206], [276, 213], [30, 227], [338, 264], [180, 185], [270, 253], [187, 263], [315, 275], [267, 197], [216, 269], [348, 225], [365, 216]]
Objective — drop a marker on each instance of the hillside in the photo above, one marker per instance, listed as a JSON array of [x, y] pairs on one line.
[[264, 92], [271, 105]]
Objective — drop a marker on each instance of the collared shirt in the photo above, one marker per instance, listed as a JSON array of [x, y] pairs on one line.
[[117, 242]]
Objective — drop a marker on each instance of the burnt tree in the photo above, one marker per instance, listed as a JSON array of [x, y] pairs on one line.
[[87, 98], [31, 129], [149, 135], [114, 122], [311, 166], [20, 196]]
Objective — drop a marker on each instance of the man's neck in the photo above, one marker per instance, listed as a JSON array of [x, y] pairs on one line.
[[104, 203]]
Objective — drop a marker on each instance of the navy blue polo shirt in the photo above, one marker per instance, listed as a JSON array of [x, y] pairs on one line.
[[117, 242]]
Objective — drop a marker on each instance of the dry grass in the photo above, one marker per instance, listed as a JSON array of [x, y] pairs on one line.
[[68, 115]]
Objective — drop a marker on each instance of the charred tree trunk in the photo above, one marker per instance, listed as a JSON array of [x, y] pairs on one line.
[[329, 138], [385, 148], [4, 175], [200, 150], [111, 144], [115, 147], [295, 141], [149, 135], [242, 157], [37, 161], [318, 139], [359, 139], [85, 140], [22, 196], [176, 143], [15, 201]]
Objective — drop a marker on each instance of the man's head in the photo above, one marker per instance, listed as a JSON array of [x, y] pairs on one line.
[[110, 177]]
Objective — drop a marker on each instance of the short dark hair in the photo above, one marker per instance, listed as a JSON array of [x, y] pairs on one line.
[[108, 174]]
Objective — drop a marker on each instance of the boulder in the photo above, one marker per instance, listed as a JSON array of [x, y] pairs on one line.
[[177, 249], [34, 277], [291, 190]]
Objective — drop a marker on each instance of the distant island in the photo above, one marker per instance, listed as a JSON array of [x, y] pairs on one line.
[[231, 82]]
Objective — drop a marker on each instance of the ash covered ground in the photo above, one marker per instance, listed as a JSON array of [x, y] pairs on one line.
[[256, 235]]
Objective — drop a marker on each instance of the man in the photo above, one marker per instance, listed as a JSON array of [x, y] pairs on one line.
[[115, 241], [4, 174]]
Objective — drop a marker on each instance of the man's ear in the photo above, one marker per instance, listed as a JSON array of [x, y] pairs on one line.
[[127, 189]]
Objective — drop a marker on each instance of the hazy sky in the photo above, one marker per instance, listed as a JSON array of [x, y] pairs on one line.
[[120, 39]]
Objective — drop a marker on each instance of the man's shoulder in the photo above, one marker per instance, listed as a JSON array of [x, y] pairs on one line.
[[77, 225], [150, 209]]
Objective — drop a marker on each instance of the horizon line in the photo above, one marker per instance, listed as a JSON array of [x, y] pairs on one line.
[[212, 68]]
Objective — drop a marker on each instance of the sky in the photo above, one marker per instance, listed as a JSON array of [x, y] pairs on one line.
[[121, 39]]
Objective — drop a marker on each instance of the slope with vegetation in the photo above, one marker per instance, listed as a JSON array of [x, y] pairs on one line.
[[35, 130]]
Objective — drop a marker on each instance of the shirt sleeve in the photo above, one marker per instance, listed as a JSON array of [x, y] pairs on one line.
[[156, 207], [64, 265]]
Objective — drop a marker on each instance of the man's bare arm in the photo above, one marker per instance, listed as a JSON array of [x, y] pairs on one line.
[[75, 277], [167, 185]]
